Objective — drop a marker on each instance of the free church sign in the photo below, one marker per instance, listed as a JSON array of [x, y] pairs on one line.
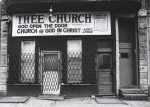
[[66, 23]]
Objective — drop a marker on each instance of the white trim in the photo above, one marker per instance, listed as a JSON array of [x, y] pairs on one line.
[[117, 58]]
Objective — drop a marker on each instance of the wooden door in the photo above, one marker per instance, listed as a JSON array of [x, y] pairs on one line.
[[126, 67], [104, 73]]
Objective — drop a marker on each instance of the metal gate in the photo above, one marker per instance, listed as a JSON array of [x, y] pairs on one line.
[[51, 72]]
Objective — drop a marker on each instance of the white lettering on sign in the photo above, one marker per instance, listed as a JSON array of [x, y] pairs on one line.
[[66, 23]]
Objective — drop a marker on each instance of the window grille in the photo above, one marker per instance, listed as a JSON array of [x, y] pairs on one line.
[[27, 67], [27, 61], [74, 61]]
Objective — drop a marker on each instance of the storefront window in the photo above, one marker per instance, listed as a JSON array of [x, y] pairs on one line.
[[28, 61], [74, 61]]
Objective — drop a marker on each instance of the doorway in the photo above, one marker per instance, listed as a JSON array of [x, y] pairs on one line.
[[127, 49], [104, 71], [51, 75]]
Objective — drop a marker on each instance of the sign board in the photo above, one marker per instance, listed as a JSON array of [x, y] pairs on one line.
[[64, 23]]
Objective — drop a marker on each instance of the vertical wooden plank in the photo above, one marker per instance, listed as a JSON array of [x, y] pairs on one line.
[[117, 58], [40, 67]]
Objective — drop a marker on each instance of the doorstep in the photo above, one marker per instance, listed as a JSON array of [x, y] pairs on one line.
[[51, 97], [14, 99], [133, 94]]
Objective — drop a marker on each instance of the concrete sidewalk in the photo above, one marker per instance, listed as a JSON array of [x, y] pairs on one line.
[[74, 102]]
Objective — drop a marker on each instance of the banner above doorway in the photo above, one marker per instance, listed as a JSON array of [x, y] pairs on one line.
[[64, 23]]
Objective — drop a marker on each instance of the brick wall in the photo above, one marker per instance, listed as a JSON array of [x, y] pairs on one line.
[[3, 51]]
